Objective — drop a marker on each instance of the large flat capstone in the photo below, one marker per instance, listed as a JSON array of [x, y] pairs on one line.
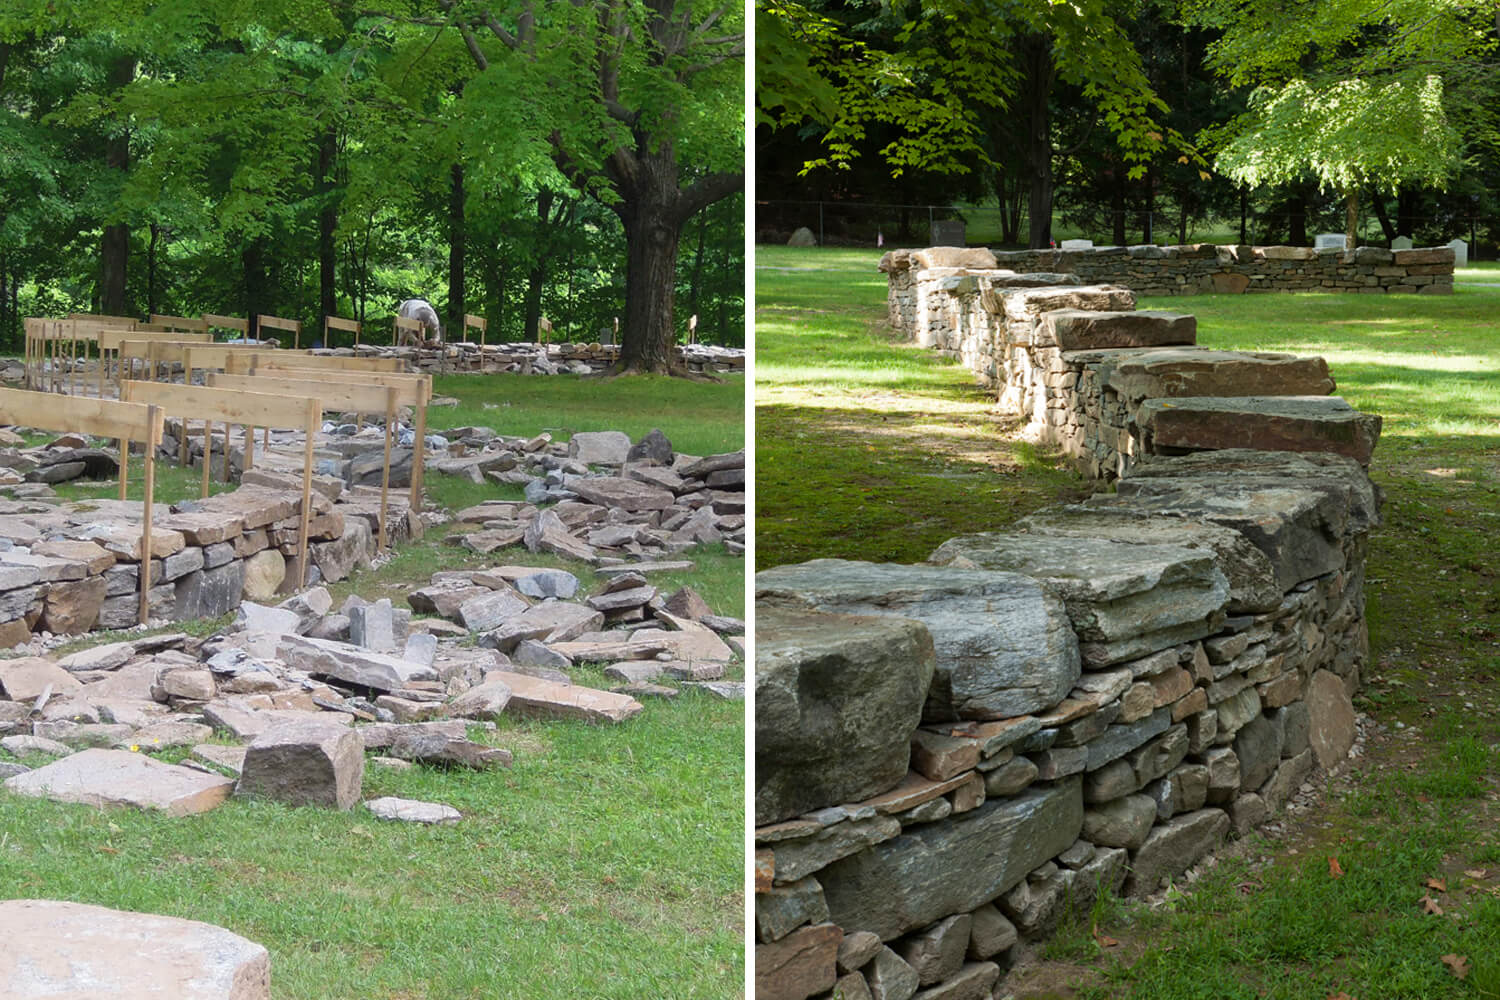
[[1263, 423], [72, 951], [1176, 372], [934, 870], [1081, 329], [1004, 645], [1299, 510], [120, 778], [1124, 600], [837, 699]]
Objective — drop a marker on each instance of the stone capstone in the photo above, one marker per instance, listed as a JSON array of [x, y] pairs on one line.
[[1004, 646]]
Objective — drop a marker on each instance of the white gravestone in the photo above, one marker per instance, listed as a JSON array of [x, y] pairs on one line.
[[1401, 243], [1329, 241], [1077, 244], [1460, 253]]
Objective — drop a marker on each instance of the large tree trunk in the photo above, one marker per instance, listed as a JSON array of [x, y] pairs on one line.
[[536, 275], [252, 259], [151, 303], [456, 244], [114, 247], [1351, 217], [328, 222], [1387, 228], [1117, 206], [1296, 224], [1036, 57]]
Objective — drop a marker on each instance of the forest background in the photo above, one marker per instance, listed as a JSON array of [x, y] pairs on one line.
[[582, 163], [1129, 121]]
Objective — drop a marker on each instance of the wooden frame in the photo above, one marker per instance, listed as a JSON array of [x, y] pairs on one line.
[[351, 397], [400, 323], [187, 324], [236, 406], [472, 322], [241, 362], [213, 321], [292, 326], [339, 323], [114, 341], [41, 332], [126, 421], [412, 390]]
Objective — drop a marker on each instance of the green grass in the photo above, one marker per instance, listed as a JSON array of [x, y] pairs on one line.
[[1268, 920], [606, 863], [867, 447]]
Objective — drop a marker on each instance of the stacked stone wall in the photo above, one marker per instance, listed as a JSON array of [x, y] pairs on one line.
[[954, 756], [75, 567], [1205, 269]]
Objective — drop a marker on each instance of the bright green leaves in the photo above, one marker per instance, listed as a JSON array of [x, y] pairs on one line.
[[1347, 134]]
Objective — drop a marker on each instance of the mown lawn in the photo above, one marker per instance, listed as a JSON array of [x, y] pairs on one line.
[[867, 448], [606, 863]]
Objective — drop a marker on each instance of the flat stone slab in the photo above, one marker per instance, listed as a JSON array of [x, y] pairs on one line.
[[1115, 594], [72, 951], [626, 494], [1175, 372], [413, 811], [937, 869], [346, 662], [1263, 423], [1080, 329], [533, 696], [1004, 645], [26, 678], [121, 778]]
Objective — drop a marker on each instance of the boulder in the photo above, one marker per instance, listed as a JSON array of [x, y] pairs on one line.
[[838, 698], [263, 575], [1004, 646], [305, 763], [58, 949], [599, 447]]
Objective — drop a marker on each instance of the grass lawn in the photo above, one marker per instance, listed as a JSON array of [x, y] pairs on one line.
[[606, 863], [901, 452]]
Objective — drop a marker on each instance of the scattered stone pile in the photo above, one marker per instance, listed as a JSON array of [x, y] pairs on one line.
[[951, 756], [1110, 385], [1202, 269], [651, 503], [304, 691]]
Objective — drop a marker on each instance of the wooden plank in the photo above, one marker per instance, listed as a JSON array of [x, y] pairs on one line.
[[241, 364], [348, 397], [110, 338], [188, 323], [331, 323], [214, 320], [100, 417], [215, 355], [409, 325], [192, 402], [477, 323], [412, 390], [292, 326], [103, 319]]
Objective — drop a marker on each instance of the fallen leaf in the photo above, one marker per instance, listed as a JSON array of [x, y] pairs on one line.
[[110, 850], [1436, 883], [1429, 905], [1104, 940], [1477, 872], [1457, 964], [1335, 870]]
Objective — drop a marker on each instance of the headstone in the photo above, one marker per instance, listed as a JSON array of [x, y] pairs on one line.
[[1401, 243], [947, 233], [1330, 241], [1077, 244], [803, 237], [1460, 253]]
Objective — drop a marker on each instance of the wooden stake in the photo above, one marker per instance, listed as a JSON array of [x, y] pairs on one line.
[[154, 439], [208, 453], [313, 420], [385, 475]]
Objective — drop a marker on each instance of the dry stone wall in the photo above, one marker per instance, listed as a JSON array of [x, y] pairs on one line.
[[1205, 269], [952, 757]]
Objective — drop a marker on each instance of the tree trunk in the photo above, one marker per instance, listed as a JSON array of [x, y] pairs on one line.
[[151, 303], [1148, 215], [652, 231], [1036, 58], [328, 222], [1387, 229], [1244, 211], [1406, 212], [696, 280], [1296, 223], [536, 275], [1351, 217], [1117, 207], [252, 259], [457, 243], [114, 247]]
